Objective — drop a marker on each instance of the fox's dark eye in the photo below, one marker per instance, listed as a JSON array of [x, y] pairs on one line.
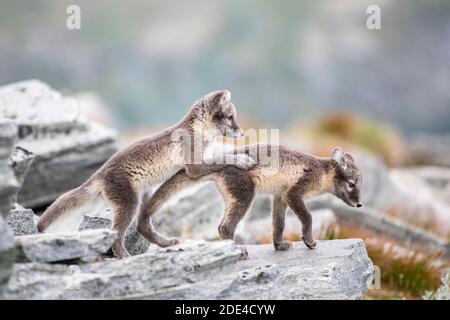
[[230, 118], [351, 184]]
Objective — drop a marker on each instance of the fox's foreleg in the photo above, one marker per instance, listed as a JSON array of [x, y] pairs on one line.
[[296, 203]]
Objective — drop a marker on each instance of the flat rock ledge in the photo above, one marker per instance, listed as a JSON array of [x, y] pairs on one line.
[[336, 269], [55, 247]]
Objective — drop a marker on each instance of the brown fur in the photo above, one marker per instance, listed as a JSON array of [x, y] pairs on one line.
[[123, 177], [299, 176]]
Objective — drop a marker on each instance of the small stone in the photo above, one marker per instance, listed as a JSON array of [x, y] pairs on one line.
[[135, 243], [21, 221]]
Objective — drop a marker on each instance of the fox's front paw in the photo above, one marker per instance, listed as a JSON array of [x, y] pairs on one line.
[[244, 162], [310, 243], [283, 245]]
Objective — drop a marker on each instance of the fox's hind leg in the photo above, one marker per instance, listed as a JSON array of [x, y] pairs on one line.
[[150, 205], [124, 200], [145, 225], [238, 190]]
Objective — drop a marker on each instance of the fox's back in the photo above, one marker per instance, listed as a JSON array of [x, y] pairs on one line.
[[148, 160], [278, 167]]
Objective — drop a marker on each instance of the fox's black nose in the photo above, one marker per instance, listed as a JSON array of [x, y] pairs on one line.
[[359, 205]]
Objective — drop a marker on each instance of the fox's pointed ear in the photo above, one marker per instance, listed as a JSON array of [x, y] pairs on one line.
[[220, 98], [338, 158], [349, 157]]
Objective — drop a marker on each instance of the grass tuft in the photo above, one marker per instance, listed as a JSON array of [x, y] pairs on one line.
[[409, 270]]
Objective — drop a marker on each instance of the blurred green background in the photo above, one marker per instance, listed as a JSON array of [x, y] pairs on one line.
[[284, 62]]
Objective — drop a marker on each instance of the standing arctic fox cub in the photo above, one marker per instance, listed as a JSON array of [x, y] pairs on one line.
[[122, 178], [299, 175]]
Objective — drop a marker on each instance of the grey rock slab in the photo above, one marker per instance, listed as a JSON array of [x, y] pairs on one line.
[[76, 155], [34, 103], [337, 269], [63, 145], [58, 247]]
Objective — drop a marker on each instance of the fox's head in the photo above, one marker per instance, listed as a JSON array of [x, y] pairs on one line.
[[347, 179], [217, 114]]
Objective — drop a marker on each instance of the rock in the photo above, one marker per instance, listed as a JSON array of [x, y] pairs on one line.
[[9, 184], [437, 178], [63, 145], [134, 242], [7, 252], [34, 104], [9, 188], [337, 269], [415, 201], [20, 161], [57, 247], [22, 221]]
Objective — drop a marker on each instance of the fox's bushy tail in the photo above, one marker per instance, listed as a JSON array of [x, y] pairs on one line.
[[70, 200]]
